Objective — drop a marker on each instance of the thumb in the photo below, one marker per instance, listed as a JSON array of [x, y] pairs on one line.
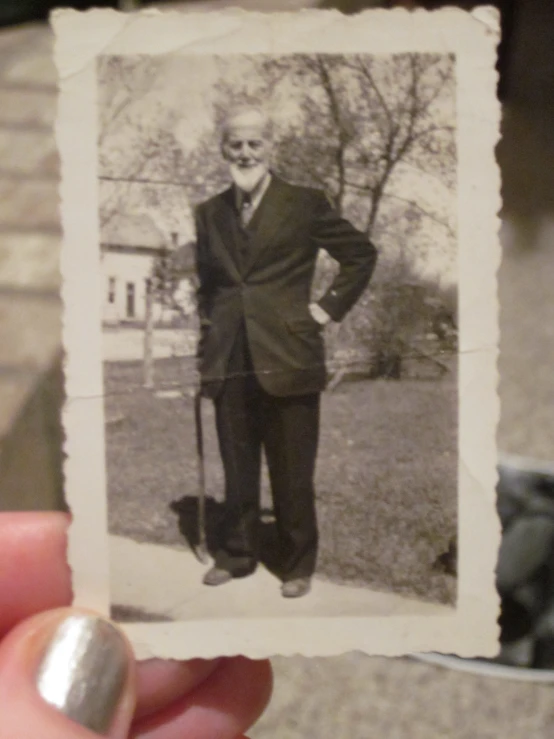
[[66, 674]]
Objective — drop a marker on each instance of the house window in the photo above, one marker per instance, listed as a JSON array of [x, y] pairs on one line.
[[111, 290], [130, 300]]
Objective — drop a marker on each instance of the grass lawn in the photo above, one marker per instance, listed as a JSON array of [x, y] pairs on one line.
[[386, 477]]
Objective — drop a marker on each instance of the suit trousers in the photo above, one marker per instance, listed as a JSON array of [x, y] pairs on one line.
[[250, 420]]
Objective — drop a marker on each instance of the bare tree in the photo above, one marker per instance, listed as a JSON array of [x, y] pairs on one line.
[[357, 125], [405, 130], [364, 120], [377, 115]]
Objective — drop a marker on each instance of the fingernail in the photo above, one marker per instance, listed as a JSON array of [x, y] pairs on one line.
[[84, 670]]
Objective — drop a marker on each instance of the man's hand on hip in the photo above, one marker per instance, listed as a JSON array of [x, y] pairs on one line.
[[319, 315]]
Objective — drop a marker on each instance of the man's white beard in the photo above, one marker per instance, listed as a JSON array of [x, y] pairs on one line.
[[247, 178]]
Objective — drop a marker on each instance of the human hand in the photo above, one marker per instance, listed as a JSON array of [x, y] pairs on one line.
[[319, 315], [155, 699]]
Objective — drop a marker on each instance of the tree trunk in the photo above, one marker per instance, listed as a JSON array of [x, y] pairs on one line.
[[376, 197], [149, 337], [336, 115], [341, 177]]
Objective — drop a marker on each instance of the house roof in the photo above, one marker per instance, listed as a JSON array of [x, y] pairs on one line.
[[133, 229]]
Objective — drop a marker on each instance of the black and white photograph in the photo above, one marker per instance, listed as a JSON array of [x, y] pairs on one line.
[[281, 302]]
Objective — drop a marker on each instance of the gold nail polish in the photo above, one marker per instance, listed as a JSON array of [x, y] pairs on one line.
[[84, 670]]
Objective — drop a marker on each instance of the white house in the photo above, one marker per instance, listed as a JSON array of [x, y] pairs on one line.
[[130, 244]]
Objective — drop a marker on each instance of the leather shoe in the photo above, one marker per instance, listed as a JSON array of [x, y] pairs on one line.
[[217, 576], [296, 588]]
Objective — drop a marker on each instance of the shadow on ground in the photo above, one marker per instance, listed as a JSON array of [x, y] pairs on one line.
[[187, 511]]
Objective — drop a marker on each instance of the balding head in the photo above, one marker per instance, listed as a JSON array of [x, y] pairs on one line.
[[246, 145]]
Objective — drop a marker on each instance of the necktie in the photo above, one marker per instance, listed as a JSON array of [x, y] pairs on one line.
[[246, 209]]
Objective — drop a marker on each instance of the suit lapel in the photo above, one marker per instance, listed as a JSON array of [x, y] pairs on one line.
[[226, 222], [265, 224], [267, 220]]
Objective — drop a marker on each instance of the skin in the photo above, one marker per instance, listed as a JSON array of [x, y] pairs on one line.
[[197, 699], [246, 146]]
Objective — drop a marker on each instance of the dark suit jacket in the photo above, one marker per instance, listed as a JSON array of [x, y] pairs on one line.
[[259, 280]]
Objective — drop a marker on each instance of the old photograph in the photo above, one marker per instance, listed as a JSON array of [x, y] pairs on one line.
[[281, 285]]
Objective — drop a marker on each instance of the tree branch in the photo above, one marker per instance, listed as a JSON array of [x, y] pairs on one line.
[[424, 212], [369, 77], [337, 118], [357, 186]]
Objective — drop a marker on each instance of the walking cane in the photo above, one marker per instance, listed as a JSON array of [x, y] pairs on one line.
[[202, 546]]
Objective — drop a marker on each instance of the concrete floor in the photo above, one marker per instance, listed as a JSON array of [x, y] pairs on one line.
[[352, 696], [175, 586]]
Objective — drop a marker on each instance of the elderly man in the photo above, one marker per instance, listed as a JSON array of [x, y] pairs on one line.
[[261, 352]]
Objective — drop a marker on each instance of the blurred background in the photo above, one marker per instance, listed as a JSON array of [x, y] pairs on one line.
[[351, 696]]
